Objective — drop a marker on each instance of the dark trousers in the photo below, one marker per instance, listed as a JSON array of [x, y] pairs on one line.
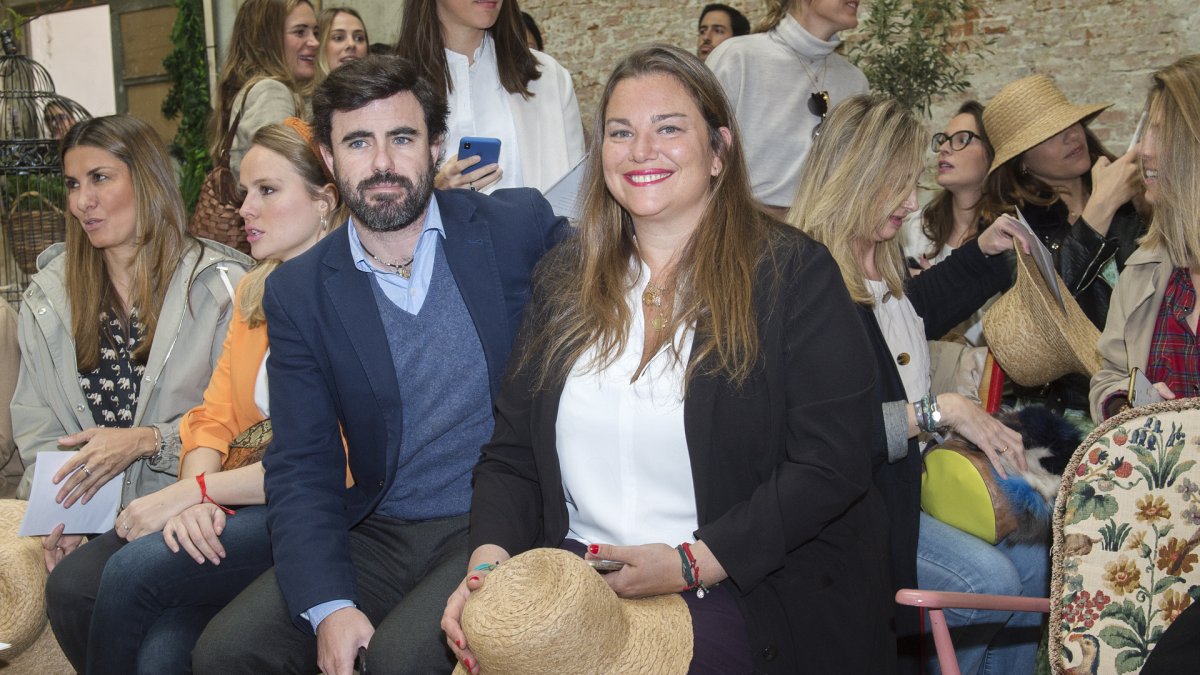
[[405, 572], [139, 608]]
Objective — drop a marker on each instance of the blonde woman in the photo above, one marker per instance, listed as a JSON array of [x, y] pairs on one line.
[[796, 44], [271, 65], [343, 38], [1154, 305], [157, 592], [873, 146]]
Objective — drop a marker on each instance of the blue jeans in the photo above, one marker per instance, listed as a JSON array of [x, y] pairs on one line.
[[153, 604], [989, 642]]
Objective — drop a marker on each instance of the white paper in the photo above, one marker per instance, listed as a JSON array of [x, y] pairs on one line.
[[1137, 132], [566, 196], [1043, 259], [43, 513]]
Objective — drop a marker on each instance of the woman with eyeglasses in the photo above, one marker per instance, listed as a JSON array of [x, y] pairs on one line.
[[796, 45], [954, 216]]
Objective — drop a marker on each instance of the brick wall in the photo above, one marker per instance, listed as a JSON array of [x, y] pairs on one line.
[[1097, 50]]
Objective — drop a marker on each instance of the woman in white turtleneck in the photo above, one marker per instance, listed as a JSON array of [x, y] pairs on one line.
[[775, 80], [496, 87]]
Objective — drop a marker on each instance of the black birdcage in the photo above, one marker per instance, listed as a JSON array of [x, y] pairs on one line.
[[32, 198]]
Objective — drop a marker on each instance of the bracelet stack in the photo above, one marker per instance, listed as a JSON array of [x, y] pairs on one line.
[[929, 416], [691, 570]]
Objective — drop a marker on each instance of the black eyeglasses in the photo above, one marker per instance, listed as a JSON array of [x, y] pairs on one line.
[[818, 104], [958, 140]]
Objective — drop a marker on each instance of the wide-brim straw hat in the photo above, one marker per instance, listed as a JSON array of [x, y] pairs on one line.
[[1027, 112], [547, 611], [1033, 339]]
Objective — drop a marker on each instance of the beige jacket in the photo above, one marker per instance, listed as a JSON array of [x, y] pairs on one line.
[[1125, 343], [10, 361], [49, 402]]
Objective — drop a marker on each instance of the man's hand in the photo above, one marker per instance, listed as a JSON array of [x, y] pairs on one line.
[[338, 638]]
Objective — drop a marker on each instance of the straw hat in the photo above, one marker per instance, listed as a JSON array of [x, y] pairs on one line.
[[547, 611], [1027, 112], [1032, 338]]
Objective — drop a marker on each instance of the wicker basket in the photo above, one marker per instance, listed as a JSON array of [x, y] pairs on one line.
[[29, 232]]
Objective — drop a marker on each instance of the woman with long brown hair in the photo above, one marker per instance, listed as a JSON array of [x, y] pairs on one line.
[[121, 326], [674, 383], [497, 87], [271, 64]]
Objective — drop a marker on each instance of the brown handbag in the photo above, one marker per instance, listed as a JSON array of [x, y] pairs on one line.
[[216, 216], [249, 446]]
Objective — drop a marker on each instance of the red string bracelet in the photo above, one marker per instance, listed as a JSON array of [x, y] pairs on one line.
[[205, 498], [701, 589]]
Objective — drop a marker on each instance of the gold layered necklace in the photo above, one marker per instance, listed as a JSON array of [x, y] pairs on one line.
[[657, 301]]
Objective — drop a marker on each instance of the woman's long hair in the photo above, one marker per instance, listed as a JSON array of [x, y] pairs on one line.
[[860, 169], [421, 42], [1011, 185], [255, 53], [583, 288], [159, 236], [937, 220], [298, 153], [776, 10], [1174, 117], [325, 26]]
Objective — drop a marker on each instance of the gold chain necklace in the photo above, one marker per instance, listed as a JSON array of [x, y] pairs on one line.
[[656, 298]]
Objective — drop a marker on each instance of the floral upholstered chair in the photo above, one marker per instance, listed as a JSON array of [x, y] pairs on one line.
[[1125, 557]]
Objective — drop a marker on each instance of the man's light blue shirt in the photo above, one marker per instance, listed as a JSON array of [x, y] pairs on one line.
[[407, 294]]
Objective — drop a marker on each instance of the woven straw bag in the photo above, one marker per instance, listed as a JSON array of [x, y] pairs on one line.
[[30, 232], [216, 216]]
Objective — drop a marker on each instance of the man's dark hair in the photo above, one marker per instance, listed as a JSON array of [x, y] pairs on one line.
[[374, 78], [737, 20]]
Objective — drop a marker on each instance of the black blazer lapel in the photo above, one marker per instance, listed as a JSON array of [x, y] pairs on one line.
[[698, 410], [472, 259]]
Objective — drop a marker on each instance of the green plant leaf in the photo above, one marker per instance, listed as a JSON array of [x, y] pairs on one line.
[[1130, 660], [1120, 637]]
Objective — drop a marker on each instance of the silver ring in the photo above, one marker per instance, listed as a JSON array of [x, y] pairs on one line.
[[86, 470], [473, 189], [127, 526]]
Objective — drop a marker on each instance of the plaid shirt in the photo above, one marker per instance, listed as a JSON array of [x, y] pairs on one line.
[[1174, 351]]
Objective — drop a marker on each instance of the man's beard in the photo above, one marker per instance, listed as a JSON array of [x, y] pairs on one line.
[[388, 213]]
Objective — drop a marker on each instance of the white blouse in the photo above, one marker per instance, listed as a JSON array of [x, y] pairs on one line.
[[904, 331], [626, 471], [479, 107]]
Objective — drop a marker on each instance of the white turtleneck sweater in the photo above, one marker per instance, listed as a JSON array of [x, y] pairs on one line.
[[765, 78]]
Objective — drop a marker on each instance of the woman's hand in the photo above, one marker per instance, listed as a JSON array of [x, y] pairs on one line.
[[1164, 391], [452, 616], [149, 514], [105, 453], [451, 174], [986, 432], [198, 531], [650, 569], [56, 546], [999, 236], [1113, 184]]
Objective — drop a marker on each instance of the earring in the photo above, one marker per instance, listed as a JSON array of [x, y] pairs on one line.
[[324, 222]]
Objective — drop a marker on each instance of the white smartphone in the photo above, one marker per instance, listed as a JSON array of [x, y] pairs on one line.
[[1141, 390]]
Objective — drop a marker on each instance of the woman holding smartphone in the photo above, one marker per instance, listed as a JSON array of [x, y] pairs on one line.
[[1154, 306], [496, 87]]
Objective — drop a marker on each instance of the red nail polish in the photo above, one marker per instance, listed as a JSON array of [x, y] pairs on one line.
[[467, 663], [594, 549], [458, 643], [473, 579]]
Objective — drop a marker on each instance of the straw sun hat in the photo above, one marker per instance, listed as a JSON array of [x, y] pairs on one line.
[[1032, 338], [1027, 112], [547, 611]]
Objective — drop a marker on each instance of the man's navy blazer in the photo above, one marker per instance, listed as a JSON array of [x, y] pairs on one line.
[[331, 373]]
